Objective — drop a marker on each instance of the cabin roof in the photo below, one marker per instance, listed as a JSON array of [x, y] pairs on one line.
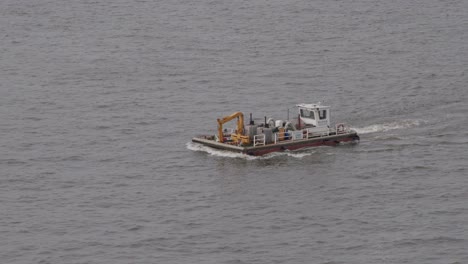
[[313, 106]]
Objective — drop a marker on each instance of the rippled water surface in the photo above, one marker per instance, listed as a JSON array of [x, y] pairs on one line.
[[99, 101]]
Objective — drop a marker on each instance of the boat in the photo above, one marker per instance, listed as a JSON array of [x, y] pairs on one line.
[[311, 128]]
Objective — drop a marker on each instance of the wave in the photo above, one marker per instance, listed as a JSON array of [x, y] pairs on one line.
[[228, 154], [429, 240], [216, 152], [407, 123]]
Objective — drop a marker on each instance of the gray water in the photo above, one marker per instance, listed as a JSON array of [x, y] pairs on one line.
[[99, 101]]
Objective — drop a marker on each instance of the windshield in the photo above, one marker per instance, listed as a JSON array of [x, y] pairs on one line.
[[307, 114]]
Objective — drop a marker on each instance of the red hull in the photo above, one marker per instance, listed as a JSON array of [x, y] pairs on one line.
[[330, 140]]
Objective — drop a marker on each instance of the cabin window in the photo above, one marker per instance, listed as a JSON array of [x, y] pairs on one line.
[[307, 114], [323, 114]]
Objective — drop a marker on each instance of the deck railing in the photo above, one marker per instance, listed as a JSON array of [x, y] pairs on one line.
[[319, 133], [301, 134], [282, 136], [341, 128], [259, 140]]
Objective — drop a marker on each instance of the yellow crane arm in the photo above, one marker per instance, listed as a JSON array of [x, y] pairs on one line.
[[240, 124]]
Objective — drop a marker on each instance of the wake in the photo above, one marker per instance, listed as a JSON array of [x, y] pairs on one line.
[[227, 154], [407, 123]]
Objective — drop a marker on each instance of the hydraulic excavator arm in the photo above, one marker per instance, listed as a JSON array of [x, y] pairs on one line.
[[240, 127]]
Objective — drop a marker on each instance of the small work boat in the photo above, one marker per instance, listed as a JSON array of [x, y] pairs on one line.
[[311, 128]]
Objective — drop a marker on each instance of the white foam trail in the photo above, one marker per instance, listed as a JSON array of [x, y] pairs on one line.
[[298, 155], [227, 154], [388, 126], [216, 152]]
